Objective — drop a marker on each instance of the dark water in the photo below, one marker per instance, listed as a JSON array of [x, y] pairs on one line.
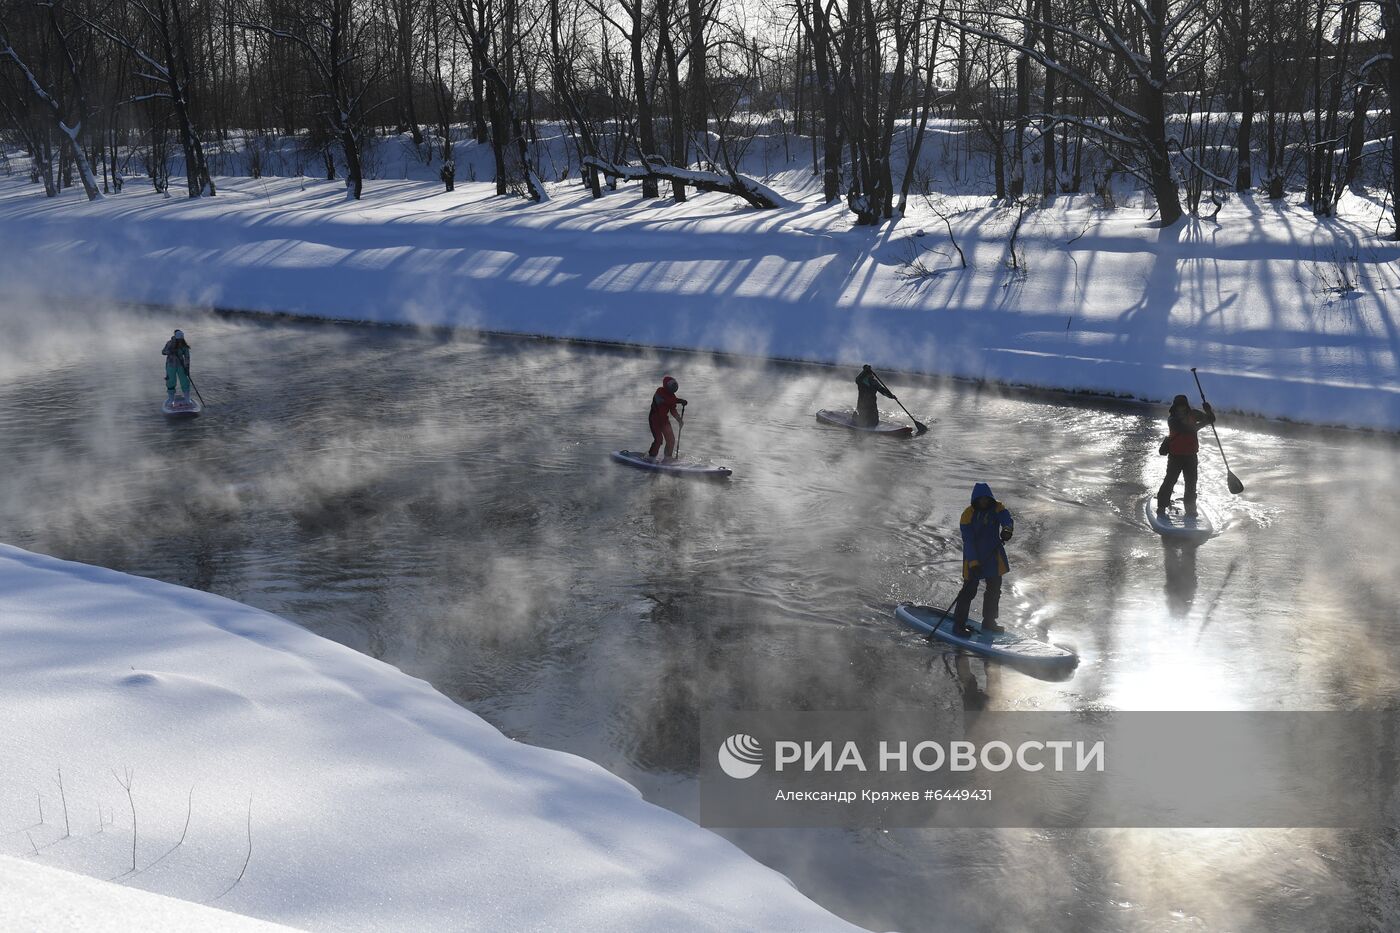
[[446, 503]]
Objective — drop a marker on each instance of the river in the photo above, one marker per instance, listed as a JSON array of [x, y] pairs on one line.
[[445, 502]]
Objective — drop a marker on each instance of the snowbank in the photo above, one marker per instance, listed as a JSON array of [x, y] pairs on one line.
[[347, 794], [41, 898], [1285, 316]]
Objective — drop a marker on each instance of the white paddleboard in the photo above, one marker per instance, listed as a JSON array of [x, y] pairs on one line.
[[1008, 646], [1176, 523], [678, 467], [846, 418], [181, 407]]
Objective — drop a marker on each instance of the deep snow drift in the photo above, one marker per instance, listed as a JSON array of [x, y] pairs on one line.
[[349, 795], [1285, 316], [41, 898]]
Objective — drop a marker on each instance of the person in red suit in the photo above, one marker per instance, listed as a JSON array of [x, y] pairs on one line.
[[663, 409], [1183, 422]]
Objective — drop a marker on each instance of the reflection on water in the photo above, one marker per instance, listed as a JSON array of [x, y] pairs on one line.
[[1181, 581], [446, 503]]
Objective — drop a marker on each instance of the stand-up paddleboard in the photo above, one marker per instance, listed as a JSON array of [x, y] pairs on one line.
[[181, 407], [679, 467], [1007, 646], [847, 419], [1176, 524]]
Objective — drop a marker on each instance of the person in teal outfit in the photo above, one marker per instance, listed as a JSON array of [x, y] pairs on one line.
[[177, 366]]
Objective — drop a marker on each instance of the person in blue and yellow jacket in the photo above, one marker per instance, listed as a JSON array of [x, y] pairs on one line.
[[986, 527]]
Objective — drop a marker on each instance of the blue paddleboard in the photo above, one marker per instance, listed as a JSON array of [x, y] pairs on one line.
[[677, 467], [1007, 646]]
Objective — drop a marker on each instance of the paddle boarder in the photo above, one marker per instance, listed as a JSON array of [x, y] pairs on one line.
[[986, 526], [663, 409], [177, 365], [1182, 446], [867, 415]]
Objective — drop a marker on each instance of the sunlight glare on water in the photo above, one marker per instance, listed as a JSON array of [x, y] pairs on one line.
[[446, 503]]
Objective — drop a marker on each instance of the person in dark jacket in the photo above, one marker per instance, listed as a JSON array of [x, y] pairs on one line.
[[1183, 445], [986, 526], [177, 365], [663, 408], [867, 383]]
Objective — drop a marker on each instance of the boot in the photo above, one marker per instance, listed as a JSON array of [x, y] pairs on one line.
[[962, 630], [170, 395], [991, 627]]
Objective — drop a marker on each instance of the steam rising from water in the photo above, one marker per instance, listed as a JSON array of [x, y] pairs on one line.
[[446, 503]]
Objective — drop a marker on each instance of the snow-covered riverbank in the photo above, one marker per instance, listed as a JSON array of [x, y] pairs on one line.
[[1285, 316], [346, 794]]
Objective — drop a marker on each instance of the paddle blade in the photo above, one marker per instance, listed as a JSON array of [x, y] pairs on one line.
[[1233, 481], [920, 427]]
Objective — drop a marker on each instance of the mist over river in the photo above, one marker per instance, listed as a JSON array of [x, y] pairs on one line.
[[445, 502]]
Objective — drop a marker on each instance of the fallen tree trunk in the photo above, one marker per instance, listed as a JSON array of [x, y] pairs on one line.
[[758, 195]]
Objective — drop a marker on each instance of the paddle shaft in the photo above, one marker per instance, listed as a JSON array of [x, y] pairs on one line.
[[917, 423], [679, 429], [947, 614], [186, 371], [1234, 479]]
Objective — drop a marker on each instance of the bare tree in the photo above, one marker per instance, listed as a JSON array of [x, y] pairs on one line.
[[1155, 43], [333, 39], [166, 61], [62, 97]]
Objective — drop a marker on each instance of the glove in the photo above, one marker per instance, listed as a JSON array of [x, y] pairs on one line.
[[1006, 534], [681, 402], [1207, 408]]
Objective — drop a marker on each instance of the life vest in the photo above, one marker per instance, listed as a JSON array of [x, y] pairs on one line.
[[663, 403], [1182, 440]]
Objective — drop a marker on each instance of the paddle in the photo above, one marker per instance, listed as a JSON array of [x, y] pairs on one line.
[[676, 455], [945, 617], [919, 426], [1231, 480], [192, 385]]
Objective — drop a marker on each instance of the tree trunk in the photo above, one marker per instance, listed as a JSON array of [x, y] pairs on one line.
[[698, 77], [1392, 38], [1273, 174], [1356, 135], [1159, 166], [819, 32], [646, 128], [925, 106], [1023, 110], [1050, 183], [1244, 178], [177, 67], [354, 179]]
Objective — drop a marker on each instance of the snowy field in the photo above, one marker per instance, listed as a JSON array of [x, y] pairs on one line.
[[1285, 316], [278, 775]]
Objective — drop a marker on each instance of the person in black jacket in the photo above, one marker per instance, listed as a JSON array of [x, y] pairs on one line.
[[867, 415]]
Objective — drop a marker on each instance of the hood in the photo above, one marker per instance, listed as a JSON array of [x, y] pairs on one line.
[[980, 490]]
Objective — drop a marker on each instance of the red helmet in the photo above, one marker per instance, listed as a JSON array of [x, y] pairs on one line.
[[670, 383]]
